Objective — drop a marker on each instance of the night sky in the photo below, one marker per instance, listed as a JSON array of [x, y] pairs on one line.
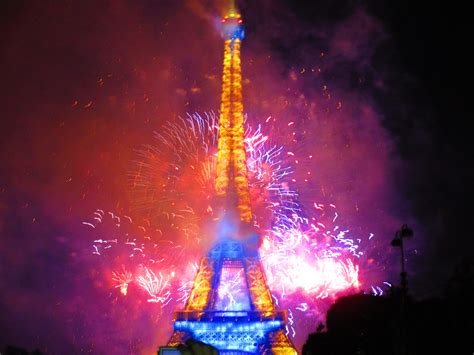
[[84, 83]]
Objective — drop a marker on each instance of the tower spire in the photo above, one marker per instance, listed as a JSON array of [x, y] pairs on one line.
[[232, 10], [232, 176]]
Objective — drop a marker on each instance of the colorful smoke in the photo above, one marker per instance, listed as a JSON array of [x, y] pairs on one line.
[[97, 89]]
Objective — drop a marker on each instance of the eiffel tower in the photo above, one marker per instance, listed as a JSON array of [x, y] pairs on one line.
[[230, 306]]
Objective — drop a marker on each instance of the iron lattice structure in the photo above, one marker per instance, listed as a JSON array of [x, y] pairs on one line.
[[231, 177], [230, 306]]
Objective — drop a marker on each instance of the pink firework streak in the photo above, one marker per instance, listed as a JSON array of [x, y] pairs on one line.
[[307, 256], [311, 258]]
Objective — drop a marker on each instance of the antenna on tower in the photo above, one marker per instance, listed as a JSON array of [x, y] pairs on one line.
[[232, 9]]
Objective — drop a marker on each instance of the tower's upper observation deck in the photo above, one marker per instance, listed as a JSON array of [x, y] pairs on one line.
[[232, 27]]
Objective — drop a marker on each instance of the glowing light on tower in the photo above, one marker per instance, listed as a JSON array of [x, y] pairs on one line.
[[231, 157]]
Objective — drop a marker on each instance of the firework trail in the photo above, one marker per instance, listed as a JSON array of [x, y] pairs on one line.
[[123, 278], [133, 254], [156, 286]]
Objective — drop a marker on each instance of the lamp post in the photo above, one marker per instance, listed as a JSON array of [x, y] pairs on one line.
[[403, 233]]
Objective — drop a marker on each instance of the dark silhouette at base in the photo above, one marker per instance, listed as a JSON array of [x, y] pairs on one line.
[[365, 324], [13, 350]]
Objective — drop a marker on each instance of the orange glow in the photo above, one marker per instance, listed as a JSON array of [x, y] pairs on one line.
[[280, 344], [258, 288], [224, 142], [231, 155], [199, 297]]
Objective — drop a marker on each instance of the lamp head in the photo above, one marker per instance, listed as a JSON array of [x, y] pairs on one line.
[[406, 232]]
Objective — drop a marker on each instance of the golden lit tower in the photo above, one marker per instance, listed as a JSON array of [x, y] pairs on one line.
[[230, 306], [231, 179]]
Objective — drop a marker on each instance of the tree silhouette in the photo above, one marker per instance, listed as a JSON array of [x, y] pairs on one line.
[[370, 325]]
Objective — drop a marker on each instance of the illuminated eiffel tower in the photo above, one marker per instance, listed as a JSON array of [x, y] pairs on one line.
[[230, 306]]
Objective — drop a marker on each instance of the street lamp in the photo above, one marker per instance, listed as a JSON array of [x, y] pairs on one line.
[[402, 233]]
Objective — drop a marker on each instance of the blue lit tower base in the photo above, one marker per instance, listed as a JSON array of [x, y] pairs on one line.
[[238, 315]]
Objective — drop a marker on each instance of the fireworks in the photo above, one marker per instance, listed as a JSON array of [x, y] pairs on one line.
[[122, 278], [156, 286], [306, 255], [173, 181], [137, 256], [309, 257]]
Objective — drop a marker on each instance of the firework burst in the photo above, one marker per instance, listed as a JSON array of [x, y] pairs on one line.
[[173, 181]]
